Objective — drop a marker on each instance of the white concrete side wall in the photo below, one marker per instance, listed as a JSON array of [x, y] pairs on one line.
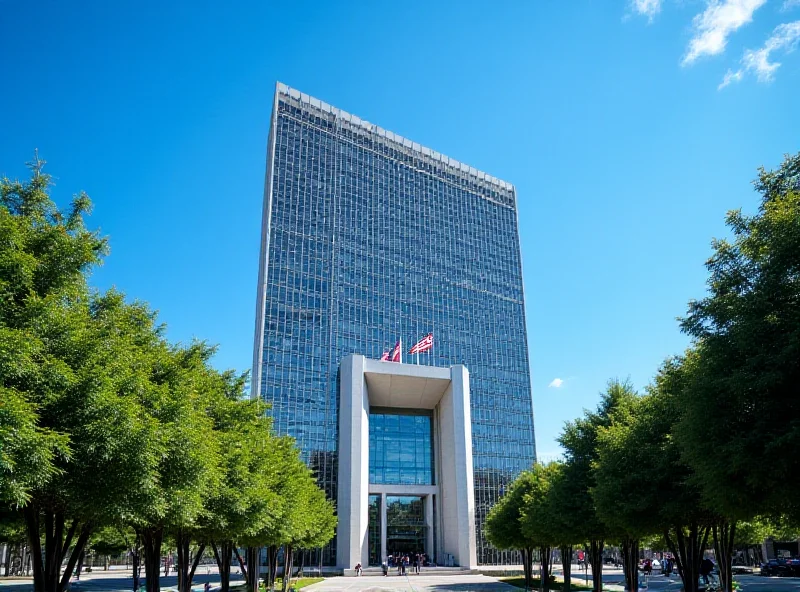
[[353, 494], [457, 500], [448, 509], [465, 491]]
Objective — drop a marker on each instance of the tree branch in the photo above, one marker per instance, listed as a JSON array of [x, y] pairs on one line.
[[241, 563], [86, 530], [68, 540], [198, 555]]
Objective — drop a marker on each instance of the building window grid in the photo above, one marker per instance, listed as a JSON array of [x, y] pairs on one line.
[[464, 232]]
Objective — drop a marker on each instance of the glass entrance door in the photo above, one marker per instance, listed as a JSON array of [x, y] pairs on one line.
[[374, 529], [405, 525]]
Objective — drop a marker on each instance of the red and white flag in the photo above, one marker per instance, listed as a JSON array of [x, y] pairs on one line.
[[422, 345], [397, 352], [385, 356]]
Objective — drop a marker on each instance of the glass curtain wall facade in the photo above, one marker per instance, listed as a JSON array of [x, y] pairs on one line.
[[400, 451], [368, 238]]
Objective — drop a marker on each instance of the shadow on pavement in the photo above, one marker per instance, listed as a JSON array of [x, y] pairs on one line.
[[471, 587]]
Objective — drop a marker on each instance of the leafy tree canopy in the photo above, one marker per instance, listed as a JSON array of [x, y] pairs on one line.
[[742, 412], [503, 526], [580, 442]]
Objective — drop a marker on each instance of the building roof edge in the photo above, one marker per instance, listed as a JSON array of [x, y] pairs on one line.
[[281, 88]]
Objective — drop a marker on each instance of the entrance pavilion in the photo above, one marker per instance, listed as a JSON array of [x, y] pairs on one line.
[[405, 463]]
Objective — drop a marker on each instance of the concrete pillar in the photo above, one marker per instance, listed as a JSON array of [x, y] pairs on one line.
[[768, 548], [429, 525], [384, 527], [353, 497], [456, 485]]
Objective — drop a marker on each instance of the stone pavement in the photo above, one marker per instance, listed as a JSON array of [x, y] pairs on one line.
[[117, 581], [412, 583]]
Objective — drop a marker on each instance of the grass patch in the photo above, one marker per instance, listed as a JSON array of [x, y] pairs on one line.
[[296, 584], [519, 582], [303, 582]]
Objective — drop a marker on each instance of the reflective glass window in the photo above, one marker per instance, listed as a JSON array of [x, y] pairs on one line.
[[400, 449]]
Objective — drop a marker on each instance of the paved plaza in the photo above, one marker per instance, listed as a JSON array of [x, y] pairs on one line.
[[119, 580], [411, 583]]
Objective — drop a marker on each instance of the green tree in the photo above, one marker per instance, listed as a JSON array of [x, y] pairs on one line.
[[503, 526], [565, 521], [579, 440], [616, 492], [12, 533], [67, 369], [313, 523], [642, 485], [540, 526], [299, 516], [246, 500], [108, 541], [188, 468], [741, 405], [27, 452]]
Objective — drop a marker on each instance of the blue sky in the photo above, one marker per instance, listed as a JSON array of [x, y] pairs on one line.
[[628, 128]]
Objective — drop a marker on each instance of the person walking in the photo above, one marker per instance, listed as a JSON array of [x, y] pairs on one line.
[[706, 567], [385, 568]]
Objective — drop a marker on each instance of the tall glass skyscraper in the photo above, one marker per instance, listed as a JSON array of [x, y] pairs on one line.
[[368, 238]]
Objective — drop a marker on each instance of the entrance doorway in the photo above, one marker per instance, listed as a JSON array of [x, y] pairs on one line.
[[405, 525]]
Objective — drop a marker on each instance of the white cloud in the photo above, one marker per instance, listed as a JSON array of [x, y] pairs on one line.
[[789, 4], [555, 383], [785, 38], [716, 23], [730, 76], [650, 8]]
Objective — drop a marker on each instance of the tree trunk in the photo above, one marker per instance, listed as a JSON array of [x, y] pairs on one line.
[[136, 569], [241, 561], [268, 572], [152, 539], [186, 566], [222, 553], [724, 534], [630, 563], [47, 563], [198, 555], [526, 566], [79, 566], [529, 565], [34, 542], [272, 567], [287, 567], [182, 543], [566, 565], [546, 557], [8, 559], [252, 554], [596, 562], [688, 548], [77, 552]]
